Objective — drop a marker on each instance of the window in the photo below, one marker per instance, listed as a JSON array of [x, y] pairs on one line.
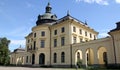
[[62, 41], [86, 40], [62, 29], [28, 40], [30, 59], [34, 34], [74, 29], [55, 42], [90, 35], [105, 57], [80, 31], [34, 45], [81, 40], [74, 39], [42, 43], [85, 33], [42, 33], [27, 47], [62, 57], [78, 56], [31, 47], [26, 59], [55, 32], [55, 58]]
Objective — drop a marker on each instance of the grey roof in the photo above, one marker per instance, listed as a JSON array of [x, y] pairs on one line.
[[20, 49]]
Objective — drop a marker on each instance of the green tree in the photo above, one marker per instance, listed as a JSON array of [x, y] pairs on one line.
[[4, 51]]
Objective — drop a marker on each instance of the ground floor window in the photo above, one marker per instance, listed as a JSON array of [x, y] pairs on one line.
[[62, 57], [55, 58]]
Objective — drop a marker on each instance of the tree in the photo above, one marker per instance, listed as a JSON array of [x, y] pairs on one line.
[[4, 51]]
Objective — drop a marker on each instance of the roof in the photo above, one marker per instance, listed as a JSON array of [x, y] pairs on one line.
[[117, 28], [20, 49]]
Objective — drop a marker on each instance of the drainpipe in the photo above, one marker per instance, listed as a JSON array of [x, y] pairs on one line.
[[71, 54], [50, 45]]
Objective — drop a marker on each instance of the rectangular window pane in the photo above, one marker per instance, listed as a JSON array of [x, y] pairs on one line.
[[55, 42], [42, 43], [42, 33], [62, 29], [74, 39], [85, 33], [62, 41], [74, 29], [80, 31], [55, 32], [34, 34]]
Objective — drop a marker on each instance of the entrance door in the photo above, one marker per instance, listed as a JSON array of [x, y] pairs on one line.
[[41, 59], [33, 58]]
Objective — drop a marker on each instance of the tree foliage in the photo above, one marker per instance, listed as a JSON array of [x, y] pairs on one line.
[[4, 51]]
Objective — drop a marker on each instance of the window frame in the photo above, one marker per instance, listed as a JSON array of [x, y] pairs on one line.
[[42, 43], [42, 33]]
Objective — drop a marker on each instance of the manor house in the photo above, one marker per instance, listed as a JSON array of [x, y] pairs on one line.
[[66, 41]]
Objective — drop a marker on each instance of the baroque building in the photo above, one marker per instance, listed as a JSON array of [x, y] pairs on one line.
[[63, 42]]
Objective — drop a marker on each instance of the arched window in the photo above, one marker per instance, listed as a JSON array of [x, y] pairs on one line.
[[62, 57], [78, 55], [55, 58]]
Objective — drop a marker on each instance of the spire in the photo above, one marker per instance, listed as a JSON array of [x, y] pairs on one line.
[[48, 8], [68, 13], [86, 22]]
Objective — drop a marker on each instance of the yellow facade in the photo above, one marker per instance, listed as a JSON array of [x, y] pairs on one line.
[[61, 43]]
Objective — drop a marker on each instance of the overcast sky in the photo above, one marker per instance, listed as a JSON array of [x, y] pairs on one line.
[[17, 17]]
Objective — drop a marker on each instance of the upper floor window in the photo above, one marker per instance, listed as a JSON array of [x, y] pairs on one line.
[[85, 33], [62, 29], [34, 45], [28, 40], [74, 29], [62, 57], [55, 42], [34, 34], [62, 41], [43, 33], [42, 43], [55, 32], [55, 58], [80, 30], [74, 39]]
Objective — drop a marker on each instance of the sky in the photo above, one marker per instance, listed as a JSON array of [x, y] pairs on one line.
[[17, 17]]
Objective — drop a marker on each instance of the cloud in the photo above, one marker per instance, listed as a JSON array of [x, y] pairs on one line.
[[117, 1], [103, 35], [100, 2], [17, 42], [14, 44]]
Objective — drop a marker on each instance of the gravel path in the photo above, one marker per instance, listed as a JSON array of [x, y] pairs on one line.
[[26, 68]]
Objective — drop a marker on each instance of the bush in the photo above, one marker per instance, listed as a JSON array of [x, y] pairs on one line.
[[79, 63]]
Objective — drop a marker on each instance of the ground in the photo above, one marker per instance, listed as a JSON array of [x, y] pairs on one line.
[[28, 68]]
